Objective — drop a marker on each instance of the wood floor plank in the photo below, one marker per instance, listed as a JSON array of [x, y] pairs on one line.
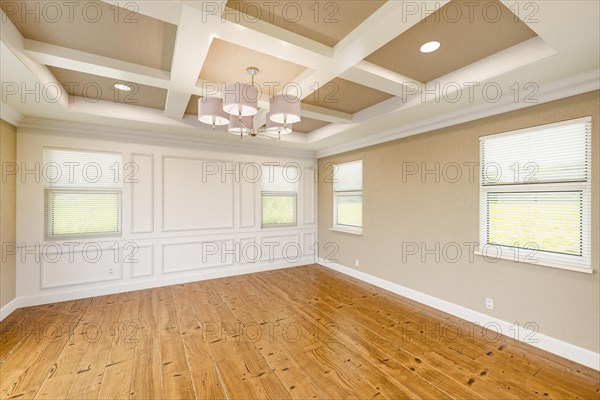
[[146, 380], [317, 369], [496, 389], [385, 363], [244, 372], [99, 331], [23, 378], [203, 370], [237, 338], [176, 381], [116, 380], [358, 364]]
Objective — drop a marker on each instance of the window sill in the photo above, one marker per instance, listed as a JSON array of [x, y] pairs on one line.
[[352, 231], [542, 263]]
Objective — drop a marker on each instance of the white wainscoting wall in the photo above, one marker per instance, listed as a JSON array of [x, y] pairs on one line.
[[177, 226]]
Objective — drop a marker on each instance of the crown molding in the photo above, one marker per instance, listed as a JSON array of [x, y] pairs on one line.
[[163, 138], [574, 85], [10, 115]]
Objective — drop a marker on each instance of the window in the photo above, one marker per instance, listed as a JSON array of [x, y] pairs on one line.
[[347, 196], [535, 194], [82, 193], [279, 187]]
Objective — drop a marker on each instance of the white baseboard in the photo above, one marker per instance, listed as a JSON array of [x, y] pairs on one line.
[[54, 297], [9, 308], [558, 347]]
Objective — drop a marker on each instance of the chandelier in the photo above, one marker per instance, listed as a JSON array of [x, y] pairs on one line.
[[239, 105]]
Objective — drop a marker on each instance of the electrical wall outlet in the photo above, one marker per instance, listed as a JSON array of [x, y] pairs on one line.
[[356, 263], [489, 303]]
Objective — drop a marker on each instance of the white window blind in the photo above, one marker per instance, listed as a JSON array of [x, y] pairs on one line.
[[347, 196], [535, 194], [279, 187], [83, 192], [82, 169]]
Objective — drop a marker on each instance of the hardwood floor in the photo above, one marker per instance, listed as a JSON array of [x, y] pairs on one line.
[[304, 332]]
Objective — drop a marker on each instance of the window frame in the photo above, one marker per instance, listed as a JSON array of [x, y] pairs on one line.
[[294, 195], [48, 190], [48, 200], [580, 263], [354, 229]]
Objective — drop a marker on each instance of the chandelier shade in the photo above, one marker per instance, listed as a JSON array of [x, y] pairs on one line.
[[242, 127], [275, 128], [210, 111], [240, 99], [239, 104], [285, 109]]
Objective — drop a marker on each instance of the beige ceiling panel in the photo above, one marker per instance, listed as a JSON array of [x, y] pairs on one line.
[[323, 21], [94, 88], [227, 63], [467, 31], [345, 96], [96, 27], [308, 125]]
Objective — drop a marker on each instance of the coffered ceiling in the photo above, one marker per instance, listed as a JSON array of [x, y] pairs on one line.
[[469, 32], [356, 64]]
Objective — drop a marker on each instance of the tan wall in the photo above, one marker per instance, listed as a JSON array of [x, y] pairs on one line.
[[564, 304], [8, 212]]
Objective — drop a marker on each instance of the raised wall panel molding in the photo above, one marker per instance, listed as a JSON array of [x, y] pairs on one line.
[[70, 268], [308, 243], [310, 195], [280, 247], [246, 252], [212, 201], [139, 259], [139, 196], [224, 257], [247, 201]]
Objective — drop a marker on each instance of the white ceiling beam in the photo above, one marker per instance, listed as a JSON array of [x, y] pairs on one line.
[[62, 57], [384, 80], [325, 114], [515, 57], [176, 104], [14, 41], [191, 48], [270, 39], [385, 24]]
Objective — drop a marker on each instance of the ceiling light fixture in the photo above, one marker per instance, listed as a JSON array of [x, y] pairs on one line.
[[430, 47], [122, 87], [239, 105]]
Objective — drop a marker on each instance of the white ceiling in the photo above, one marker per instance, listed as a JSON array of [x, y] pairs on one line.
[[563, 60]]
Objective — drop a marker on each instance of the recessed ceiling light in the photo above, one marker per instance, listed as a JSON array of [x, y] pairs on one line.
[[122, 87], [430, 47]]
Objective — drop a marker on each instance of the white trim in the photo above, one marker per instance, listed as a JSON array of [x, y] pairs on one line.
[[164, 138], [566, 122], [556, 346], [10, 115], [571, 86], [9, 308], [353, 231], [541, 262], [182, 277]]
